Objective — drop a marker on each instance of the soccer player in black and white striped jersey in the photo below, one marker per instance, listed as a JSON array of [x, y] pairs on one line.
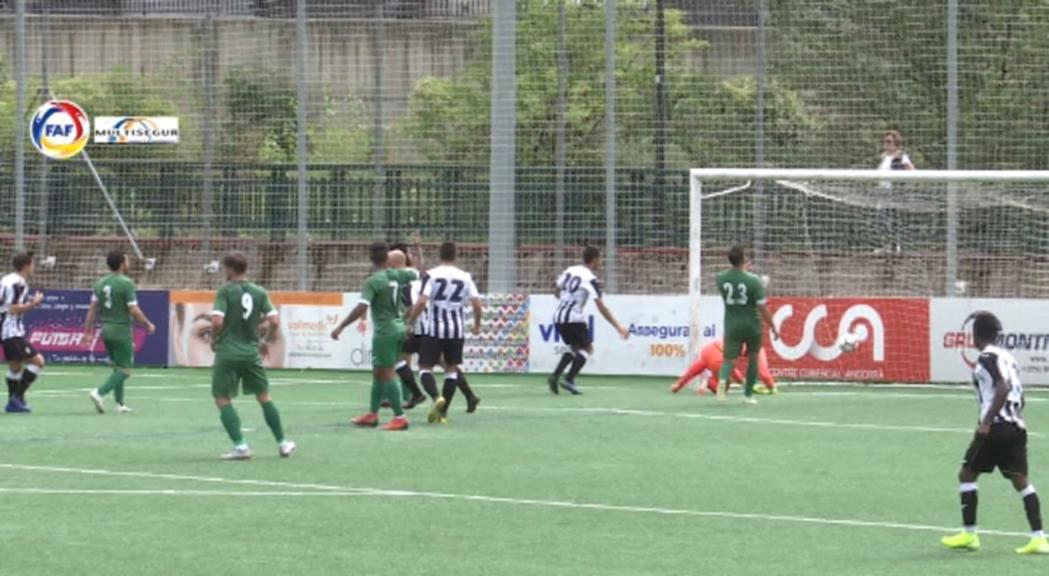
[[1001, 438], [24, 363], [575, 287], [443, 296], [400, 258]]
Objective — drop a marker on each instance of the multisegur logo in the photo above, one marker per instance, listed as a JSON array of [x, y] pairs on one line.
[[60, 129], [136, 130]]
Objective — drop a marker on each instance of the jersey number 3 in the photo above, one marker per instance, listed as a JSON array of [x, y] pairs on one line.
[[731, 296], [107, 297]]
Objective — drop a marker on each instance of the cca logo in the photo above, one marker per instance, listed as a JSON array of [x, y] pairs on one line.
[[860, 314], [60, 129]]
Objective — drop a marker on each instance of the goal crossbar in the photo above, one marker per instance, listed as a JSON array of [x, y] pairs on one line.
[[870, 175]]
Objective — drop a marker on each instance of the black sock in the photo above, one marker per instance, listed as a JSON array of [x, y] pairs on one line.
[[1033, 509], [408, 380], [28, 377], [577, 365], [464, 387], [566, 359], [969, 500], [13, 385], [430, 384], [449, 390]]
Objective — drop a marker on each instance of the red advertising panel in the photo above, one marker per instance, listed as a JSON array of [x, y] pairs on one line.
[[864, 339]]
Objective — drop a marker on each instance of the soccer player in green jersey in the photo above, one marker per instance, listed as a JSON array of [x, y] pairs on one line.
[[115, 302], [382, 293], [241, 307], [745, 311]]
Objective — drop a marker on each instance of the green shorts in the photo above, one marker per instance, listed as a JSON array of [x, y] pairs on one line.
[[229, 376], [734, 342], [121, 351], [386, 349]]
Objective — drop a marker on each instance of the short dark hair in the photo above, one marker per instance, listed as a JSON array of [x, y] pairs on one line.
[[21, 260], [986, 327], [737, 255], [115, 259], [236, 261], [448, 252], [590, 253], [403, 247], [380, 253]]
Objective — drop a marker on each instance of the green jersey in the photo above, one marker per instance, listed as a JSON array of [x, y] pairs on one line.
[[243, 306], [382, 294], [742, 293], [115, 295]]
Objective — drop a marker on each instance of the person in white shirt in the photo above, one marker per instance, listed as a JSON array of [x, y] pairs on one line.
[[892, 158]]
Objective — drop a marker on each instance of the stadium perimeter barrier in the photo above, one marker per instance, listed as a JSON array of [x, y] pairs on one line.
[[931, 344]]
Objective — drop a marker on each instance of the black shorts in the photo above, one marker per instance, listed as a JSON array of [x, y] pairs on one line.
[[17, 349], [431, 350], [1004, 448], [412, 344], [575, 334]]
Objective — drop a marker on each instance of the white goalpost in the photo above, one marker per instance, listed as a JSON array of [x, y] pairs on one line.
[[846, 236]]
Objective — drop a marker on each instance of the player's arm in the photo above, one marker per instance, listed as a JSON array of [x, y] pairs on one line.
[[136, 312], [475, 302], [763, 306], [19, 309], [1001, 391], [356, 314], [89, 324], [420, 302], [218, 315], [270, 321], [604, 310]]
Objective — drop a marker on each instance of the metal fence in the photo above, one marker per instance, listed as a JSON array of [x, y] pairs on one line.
[[521, 128]]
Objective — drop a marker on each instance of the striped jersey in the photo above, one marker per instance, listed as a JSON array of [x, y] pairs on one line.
[[13, 290], [448, 289], [410, 295], [997, 364], [577, 285]]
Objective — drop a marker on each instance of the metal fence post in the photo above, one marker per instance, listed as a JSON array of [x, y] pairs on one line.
[[302, 94], [379, 47], [611, 223], [502, 215], [759, 203], [951, 288], [562, 127], [20, 104]]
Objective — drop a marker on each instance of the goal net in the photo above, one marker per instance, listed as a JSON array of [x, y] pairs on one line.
[[861, 256]]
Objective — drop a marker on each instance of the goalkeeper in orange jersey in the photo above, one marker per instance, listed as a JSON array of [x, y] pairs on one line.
[[711, 358]]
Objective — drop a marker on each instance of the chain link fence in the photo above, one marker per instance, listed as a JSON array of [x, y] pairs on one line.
[[521, 129]]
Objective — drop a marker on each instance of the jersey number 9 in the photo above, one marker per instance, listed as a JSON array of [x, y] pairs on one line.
[[247, 304]]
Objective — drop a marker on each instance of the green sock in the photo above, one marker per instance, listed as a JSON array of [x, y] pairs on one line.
[[231, 422], [726, 372], [377, 393], [752, 374], [393, 394], [112, 383], [118, 392], [269, 410]]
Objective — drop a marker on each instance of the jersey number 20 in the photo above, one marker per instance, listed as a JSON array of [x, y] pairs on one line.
[[731, 297]]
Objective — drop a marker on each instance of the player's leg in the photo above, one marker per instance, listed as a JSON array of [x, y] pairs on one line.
[[1014, 467], [14, 382], [384, 359], [452, 351], [33, 367], [754, 343], [733, 344], [979, 458], [450, 385], [121, 354], [697, 368], [255, 382], [583, 348], [407, 376], [563, 331], [430, 356], [764, 374], [472, 400], [224, 387]]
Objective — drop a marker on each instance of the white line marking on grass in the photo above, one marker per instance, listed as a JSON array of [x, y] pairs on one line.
[[538, 503], [223, 493]]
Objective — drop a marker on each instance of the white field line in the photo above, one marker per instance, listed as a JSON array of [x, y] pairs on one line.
[[601, 411], [222, 493], [528, 502]]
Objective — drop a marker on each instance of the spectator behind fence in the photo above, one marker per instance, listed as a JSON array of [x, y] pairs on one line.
[[892, 158]]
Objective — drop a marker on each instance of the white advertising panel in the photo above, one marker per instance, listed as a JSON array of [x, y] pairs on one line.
[[658, 343], [1025, 333]]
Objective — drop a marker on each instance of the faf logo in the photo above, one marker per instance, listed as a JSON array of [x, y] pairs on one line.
[[808, 344], [60, 129]]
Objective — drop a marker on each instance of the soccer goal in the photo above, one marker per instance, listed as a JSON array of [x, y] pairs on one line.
[[853, 259]]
